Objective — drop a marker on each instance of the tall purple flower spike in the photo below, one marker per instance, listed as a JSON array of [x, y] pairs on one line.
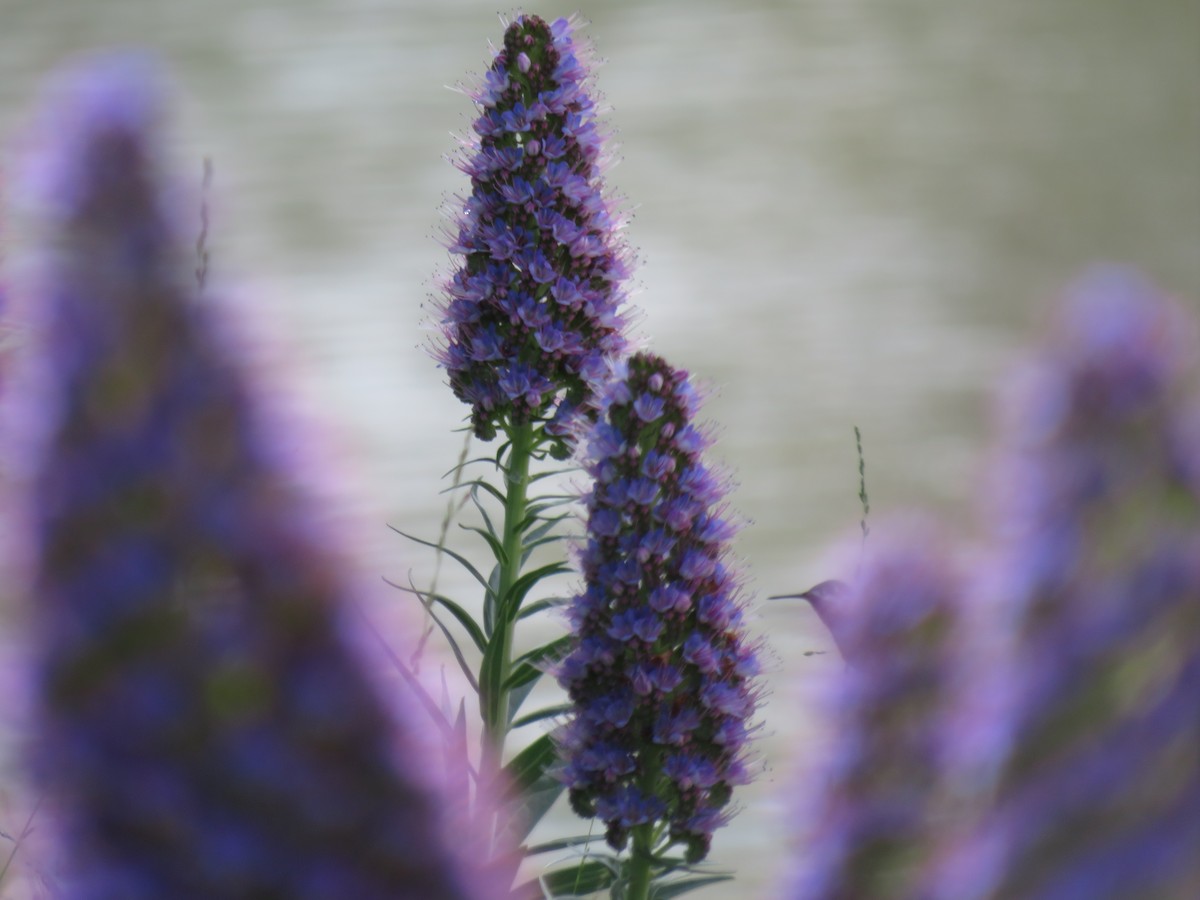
[[866, 808], [1087, 729], [530, 317], [660, 673], [205, 724]]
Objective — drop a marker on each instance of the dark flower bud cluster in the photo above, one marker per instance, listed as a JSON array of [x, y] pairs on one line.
[[530, 317], [1092, 732], [866, 812], [205, 725], [660, 673]]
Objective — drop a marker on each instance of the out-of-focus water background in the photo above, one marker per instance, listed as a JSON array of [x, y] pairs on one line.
[[847, 212]]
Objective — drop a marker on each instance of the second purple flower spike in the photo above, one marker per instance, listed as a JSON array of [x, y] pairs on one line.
[[661, 673]]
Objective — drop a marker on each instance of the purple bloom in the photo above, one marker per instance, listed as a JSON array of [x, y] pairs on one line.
[[635, 623], [690, 771], [542, 261], [206, 727], [627, 807], [642, 491], [648, 407], [675, 726], [686, 676], [670, 598], [1084, 726]]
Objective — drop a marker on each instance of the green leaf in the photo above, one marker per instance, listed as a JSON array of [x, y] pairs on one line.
[[528, 547], [531, 516], [489, 601], [531, 764], [487, 520], [491, 676], [499, 455], [454, 648], [528, 810], [683, 886], [457, 557], [511, 603], [551, 473], [479, 483], [562, 844], [579, 880], [550, 649], [458, 467], [521, 676], [538, 605], [516, 697], [464, 618], [458, 749], [534, 515], [546, 713], [493, 544], [525, 667]]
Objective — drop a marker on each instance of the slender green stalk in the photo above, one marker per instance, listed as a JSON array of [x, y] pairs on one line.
[[639, 862], [643, 836], [862, 485], [453, 506], [862, 495], [516, 477]]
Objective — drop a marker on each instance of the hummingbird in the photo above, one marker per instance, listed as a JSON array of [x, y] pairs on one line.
[[826, 599]]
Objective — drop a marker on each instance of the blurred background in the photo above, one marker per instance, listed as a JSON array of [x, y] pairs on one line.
[[847, 212]]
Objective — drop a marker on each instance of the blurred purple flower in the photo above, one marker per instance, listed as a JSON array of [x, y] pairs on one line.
[[684, 680], [1086, 729], [865, 810], [205, 723], [540, 280]]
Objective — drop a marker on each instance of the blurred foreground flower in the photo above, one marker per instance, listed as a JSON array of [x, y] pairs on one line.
[[206, 726], [530, 316], [867, 809], [661, 671], [1087, 730]]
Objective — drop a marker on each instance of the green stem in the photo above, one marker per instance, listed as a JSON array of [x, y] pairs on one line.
[[639, 862], [516, 479], [641, 854]]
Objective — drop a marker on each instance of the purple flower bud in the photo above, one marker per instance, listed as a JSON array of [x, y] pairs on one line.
[[675, 727], [689, 771], [536, 220], [686, 675], [670, 598], [648, 407], [643, 491], [207, 728], [628, 806], [700, 653]]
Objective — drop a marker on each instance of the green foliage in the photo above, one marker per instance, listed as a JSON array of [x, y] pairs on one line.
[[517, 537]]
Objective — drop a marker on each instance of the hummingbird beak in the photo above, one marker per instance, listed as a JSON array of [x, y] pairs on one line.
[[807, 595]]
